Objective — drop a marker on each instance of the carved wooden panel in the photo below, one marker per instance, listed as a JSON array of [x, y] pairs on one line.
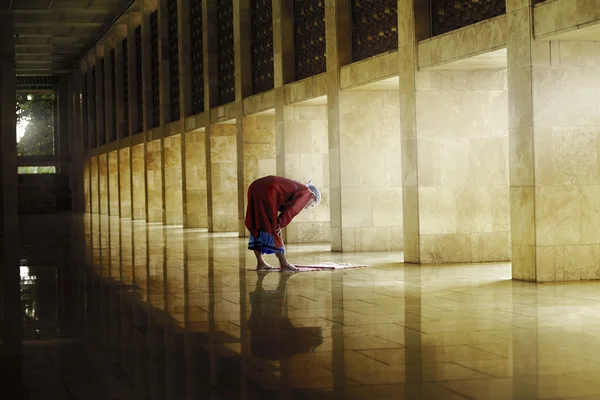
[[197, 48], [154, 69], [375, 27], [139, 81], [174, 59], [125, 89], [309, 37], [225, 50], [262, 45], [449, 15]]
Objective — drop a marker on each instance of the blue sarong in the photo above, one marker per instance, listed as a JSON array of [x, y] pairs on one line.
[[265, 242]]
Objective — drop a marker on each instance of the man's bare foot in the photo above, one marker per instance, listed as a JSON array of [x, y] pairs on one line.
[[288, 268], [266, 267]]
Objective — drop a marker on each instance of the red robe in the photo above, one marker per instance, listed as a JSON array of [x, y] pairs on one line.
[[271, 195]]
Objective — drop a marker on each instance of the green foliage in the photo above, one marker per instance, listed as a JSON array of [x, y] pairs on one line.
[[39, 133], [37, 170]]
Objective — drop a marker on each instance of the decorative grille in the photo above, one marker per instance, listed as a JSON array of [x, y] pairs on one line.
[[154, 69], [226, 60], [309, 36], [102, 117], [197, 56], [125, 131], [174, 59], [375, 27], [262, 45], [36, 82], [449, 15], [138, 76], [113, 70]]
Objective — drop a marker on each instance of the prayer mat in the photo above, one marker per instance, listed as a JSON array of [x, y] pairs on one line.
[[326, 266]]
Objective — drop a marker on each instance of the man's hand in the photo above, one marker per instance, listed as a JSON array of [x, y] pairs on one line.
[[279, 232]]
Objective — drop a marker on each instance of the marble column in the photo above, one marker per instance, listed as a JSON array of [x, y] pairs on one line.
[[185, 93], [242, 48], [407, 61], [338, 23], [211, 93], [8, 137], [553, 133]]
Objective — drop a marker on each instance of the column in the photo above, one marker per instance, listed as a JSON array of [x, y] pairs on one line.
[[185, 92], [8, 136], [77, 143], [553, 135], [407, 46], [339, 52], [211, 90], [242, 47], [153, 170], [62, 93]]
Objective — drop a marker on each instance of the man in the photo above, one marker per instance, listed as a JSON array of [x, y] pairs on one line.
[[273, 202]]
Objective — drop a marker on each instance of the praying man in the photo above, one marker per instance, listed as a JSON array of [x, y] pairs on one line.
[[273, 202]]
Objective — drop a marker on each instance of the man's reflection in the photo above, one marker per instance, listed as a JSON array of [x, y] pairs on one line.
[[272, 335]]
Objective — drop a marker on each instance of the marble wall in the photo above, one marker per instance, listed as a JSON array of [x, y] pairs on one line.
[[223, 148], [306, 152], [86, 185], [94, 185], [462, 153], [566, 143], [139, 182], [259, 150], [154, 181], [125, 182], [103, 183], [173, 181], [113, 183], [195, 185], [371, 171]]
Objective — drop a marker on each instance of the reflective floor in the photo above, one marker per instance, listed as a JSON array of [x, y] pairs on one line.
[[98, 308]]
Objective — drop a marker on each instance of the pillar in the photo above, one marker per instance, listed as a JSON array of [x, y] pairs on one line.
[[339, 52], [211, 95], [301, 134], [454, 161], [8, 136], [242, 48], [62, 147], [553, 135]]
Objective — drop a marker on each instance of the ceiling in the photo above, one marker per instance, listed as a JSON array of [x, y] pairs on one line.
[[53, 35]]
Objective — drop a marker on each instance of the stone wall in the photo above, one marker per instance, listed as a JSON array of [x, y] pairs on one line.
[[113, 183], [223, 148], [103, 183], [371, 171], [306, 152], [567, 167], [173, 181], [463, 180], [259, 151], [86, 185], [139, 182], [195, 185], [125, 182], [154, 181]]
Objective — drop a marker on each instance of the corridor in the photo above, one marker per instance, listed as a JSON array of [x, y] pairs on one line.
[[115, 309]]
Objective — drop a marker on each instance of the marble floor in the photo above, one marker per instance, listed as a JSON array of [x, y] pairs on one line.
[[100, 308]]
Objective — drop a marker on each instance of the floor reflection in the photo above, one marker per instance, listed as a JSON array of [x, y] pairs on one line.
[[99, 308]]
